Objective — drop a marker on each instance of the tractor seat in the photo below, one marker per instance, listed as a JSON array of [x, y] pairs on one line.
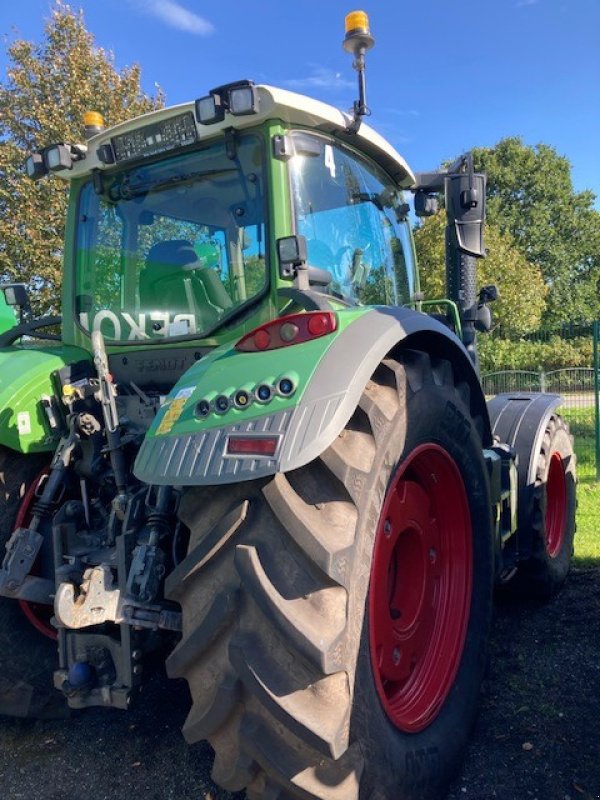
[[174, 280]]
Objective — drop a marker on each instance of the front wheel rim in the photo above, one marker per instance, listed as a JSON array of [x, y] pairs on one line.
[[556, 505], [421, 585]]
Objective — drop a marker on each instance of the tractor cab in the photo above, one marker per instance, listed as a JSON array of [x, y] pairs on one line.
[[175, 218]]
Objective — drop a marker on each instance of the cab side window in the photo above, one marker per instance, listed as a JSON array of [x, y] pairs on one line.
[[354, 222]]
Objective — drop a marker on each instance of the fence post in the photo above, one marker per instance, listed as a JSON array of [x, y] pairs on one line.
[[596, 399]]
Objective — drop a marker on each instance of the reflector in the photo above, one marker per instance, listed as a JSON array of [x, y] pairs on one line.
[[252, 445]]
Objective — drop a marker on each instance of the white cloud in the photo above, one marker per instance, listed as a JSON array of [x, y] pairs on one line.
[[521, 3], [321, 78], [176, 16], [403, 112]]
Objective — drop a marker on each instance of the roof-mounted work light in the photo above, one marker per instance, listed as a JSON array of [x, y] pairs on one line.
[[54, 158], [357, 41], [243, 100], [209, 109], [57, 157], [35, 167], [239, 99]]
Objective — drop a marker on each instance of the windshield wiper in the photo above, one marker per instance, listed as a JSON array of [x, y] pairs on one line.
[[126, 191]]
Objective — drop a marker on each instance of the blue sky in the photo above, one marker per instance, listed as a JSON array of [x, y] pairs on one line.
[[443, 76]]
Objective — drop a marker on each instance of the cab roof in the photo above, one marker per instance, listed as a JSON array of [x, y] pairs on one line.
[[274, 103]]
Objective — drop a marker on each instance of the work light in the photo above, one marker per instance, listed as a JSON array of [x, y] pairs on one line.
[[35, 167], [58, 157], [243, 100], [209, 109]]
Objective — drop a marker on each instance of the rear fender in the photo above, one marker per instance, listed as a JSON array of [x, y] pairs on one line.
[[324, 406], [341, 377]]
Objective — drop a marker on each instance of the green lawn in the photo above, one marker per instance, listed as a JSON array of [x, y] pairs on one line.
[[587, 540]]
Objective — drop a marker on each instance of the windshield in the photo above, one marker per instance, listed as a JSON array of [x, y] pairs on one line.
[[354, 219], [172, 248]]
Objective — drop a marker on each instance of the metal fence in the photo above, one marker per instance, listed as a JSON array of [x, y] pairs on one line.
[[578, 385]]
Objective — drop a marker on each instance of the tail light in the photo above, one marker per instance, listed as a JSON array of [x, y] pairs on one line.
[[288, 330]]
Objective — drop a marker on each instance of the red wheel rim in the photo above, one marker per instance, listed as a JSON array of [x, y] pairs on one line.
[[556, 505], [420, 591], [38, 614]]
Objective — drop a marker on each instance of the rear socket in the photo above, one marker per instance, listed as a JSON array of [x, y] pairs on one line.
[[222, 404], [263, 393], [242, 399], [202, 409], [286, 387]]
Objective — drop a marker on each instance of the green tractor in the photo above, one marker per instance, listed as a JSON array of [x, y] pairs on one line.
[[256, 456]]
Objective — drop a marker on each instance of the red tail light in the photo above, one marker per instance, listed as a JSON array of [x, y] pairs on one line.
[[288, 330]]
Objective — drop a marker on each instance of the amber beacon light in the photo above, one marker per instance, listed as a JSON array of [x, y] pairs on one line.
[[358, 33], [93, 123], [357, 41]]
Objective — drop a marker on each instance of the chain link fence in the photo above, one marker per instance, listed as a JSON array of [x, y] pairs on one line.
[[561, 361]]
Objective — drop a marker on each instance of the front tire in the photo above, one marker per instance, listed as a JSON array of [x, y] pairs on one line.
[[281, 597]]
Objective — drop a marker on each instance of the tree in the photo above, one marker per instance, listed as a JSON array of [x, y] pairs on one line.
[[531, 197], [49, 86], [520, 284]]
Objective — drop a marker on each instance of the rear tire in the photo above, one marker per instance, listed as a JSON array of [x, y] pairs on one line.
[[551, 529], [27, 658], [276, 591]]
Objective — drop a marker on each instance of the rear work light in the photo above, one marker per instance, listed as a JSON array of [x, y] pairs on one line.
[[288, 330], [265, 446]]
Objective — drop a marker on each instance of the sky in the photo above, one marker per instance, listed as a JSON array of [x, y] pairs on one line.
[[443, 76]]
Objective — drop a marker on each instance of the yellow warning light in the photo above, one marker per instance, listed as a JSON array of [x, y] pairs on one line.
[[358, 37], [357, 20], [69, 392], [93, 119]]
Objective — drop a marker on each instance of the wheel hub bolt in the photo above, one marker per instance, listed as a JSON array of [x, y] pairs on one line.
[[396, 656], [387, 528]]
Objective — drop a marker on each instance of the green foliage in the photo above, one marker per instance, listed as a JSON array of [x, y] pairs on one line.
[[520, 284], [531, 197], [48, 88], [587, 540], [554, 352]]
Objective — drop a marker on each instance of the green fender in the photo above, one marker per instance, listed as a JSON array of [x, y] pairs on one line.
[[25, 377], [330, 375]]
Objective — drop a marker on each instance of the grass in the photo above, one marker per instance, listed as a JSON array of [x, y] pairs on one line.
[[587, 540]]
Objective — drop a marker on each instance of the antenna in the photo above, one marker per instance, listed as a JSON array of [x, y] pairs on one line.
[[357, 41]]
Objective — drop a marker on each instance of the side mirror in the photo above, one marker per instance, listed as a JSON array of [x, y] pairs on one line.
[[15, 294], [465, 204], [291, 252]]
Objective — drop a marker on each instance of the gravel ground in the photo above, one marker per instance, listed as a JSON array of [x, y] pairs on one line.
[[538, 735]]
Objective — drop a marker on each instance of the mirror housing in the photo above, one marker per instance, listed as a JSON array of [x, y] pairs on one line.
[[16, 296], [291, 252], [465, 204], [426, 205]]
